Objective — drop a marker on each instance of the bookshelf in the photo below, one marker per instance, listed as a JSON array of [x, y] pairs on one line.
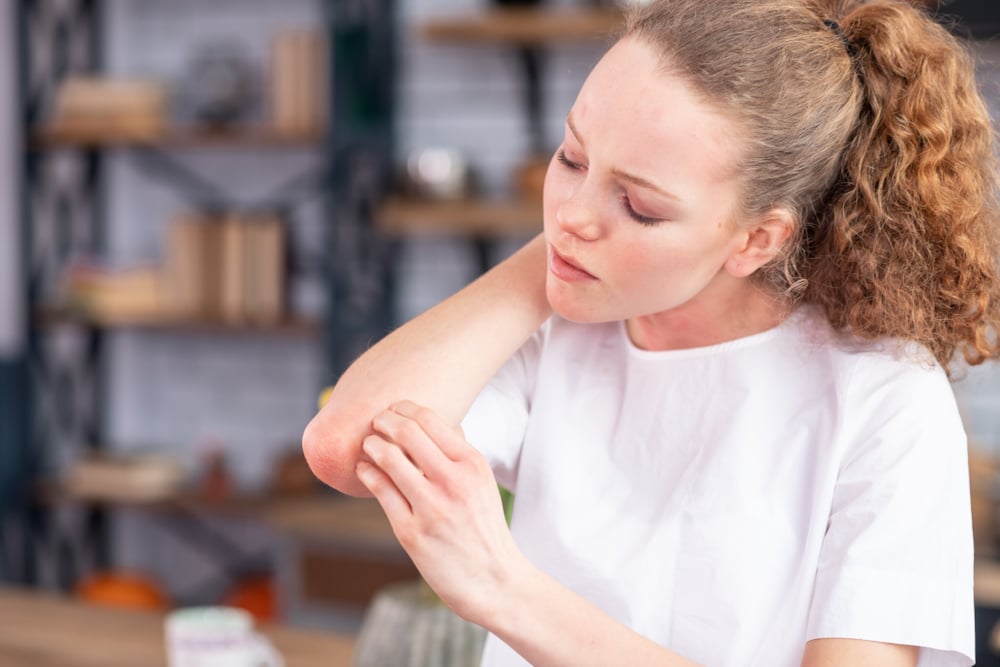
[[528, 26], [296, 327], [70, 161], [250, 137], [399, 216], [526, 30]]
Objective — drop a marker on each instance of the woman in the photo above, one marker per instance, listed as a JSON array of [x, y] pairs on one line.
[[769, 233]]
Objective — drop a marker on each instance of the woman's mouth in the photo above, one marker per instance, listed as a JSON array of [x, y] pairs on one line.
[[566, 269]]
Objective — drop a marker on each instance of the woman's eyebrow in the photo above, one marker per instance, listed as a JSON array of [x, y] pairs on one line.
[[643, 183], [572, 128], [624, 175]]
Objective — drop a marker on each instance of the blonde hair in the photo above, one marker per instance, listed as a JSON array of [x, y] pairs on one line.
[[864, 121]]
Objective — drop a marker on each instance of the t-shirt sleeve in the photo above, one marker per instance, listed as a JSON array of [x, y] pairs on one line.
[[896, 560], [497, 421]]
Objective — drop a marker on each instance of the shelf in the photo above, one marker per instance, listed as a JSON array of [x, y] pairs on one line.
[[527, 26], [466, 217], [289, 327], [311, 517], [242, 137]]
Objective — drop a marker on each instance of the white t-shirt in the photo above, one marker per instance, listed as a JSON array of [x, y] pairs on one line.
[[732, 502]]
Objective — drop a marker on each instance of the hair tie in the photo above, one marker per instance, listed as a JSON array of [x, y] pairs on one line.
[[839, 32]]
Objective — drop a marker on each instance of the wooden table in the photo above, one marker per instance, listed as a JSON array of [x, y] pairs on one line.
[[40, 630]]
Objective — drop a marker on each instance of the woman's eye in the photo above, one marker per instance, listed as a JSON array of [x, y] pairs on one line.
[[638, 217], [566, 162], [635, 215]]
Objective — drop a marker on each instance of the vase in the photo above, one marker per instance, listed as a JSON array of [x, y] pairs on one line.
[[407, 625]]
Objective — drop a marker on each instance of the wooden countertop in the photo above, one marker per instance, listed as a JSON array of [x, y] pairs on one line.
[[41, 630]]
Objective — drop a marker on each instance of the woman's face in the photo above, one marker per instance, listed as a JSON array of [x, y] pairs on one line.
[[640, 198]]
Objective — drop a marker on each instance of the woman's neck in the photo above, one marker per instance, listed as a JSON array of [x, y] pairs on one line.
[[692, 325]]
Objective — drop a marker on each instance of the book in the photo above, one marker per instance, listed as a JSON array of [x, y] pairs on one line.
[[233, 267], [266, 270], [298, 87], [190, 266], [138, 478]]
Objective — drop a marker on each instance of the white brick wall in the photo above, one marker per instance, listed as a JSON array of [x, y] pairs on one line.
[[186, 392], [177, 391]]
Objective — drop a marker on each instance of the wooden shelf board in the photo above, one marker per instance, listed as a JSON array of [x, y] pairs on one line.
[[317, 518], [288, 327], [322, 520], [467, 217], [524, 26], [242, 137]]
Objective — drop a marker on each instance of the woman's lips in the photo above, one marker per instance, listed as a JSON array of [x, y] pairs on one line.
[[564, 269]]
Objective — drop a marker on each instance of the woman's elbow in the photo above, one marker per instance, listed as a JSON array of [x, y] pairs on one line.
[[331, 458]]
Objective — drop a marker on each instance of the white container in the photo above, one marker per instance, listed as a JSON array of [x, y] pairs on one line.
[[217, 637]]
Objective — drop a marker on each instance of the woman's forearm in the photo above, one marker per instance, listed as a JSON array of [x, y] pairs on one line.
[[441, 359], [549, 625]]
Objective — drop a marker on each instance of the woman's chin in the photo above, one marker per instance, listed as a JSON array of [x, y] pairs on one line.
[[575, 309]]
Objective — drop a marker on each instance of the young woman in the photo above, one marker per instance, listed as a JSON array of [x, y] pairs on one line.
[[717, 384]]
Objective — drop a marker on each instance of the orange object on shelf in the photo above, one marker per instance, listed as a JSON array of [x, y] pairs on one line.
[[122, 589], [256, 594]]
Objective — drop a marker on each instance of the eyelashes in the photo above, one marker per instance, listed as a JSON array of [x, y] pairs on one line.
[[565, 161], [638, 217], [626, 204]]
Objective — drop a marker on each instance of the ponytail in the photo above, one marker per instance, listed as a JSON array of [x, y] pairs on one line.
[[909, 248]]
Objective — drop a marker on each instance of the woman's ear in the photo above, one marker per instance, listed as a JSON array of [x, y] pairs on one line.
[[762, 242]]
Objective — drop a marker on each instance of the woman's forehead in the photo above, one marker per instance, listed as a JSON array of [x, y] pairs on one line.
[[631, 105]]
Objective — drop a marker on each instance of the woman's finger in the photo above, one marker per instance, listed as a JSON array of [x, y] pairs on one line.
[[447, 437], [411, 437], [392, 461], [393, 503]]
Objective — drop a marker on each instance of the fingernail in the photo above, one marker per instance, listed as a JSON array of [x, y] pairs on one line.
[[363, 470]]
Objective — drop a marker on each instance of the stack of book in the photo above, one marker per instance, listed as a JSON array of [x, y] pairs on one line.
[[92, 108], [228, 267], [137, 478], [115, 296]]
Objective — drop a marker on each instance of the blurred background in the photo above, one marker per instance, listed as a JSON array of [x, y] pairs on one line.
[[207, 210]]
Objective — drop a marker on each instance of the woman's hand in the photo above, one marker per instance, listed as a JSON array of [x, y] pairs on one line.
[[441, 498]]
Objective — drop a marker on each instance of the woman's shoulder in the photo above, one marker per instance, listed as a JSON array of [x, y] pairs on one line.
[[886, 355], [881, 380]]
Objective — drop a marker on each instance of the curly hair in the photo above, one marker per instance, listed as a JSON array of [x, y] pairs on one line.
[[864, 120]]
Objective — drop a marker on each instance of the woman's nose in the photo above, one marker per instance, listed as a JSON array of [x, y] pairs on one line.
[[578, 214]]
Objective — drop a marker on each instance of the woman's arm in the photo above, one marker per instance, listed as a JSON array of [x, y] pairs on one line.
[[442, 358], [834, 652], [439, 494]]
